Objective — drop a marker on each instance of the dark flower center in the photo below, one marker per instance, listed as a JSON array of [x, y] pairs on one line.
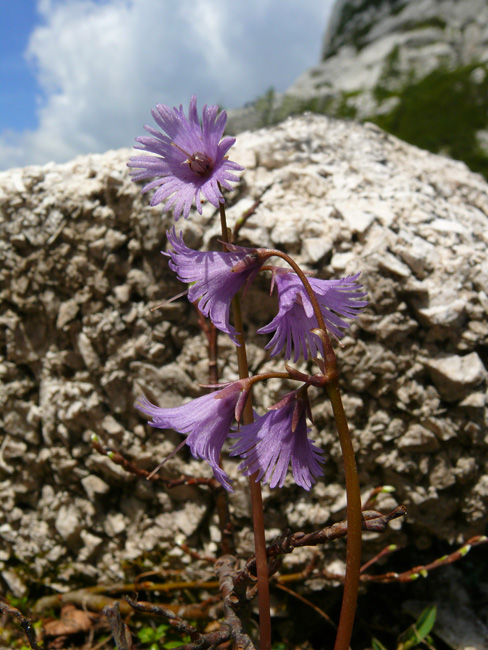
[[200, 163]]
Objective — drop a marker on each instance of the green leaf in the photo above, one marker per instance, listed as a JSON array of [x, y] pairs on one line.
[[146, 635], [160, 631], [426, 622], [419, 630]]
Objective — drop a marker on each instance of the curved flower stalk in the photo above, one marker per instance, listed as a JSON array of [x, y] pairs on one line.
[[206, 420], [217, 277], [275, 440], [292, 325], [189, 158], [188, 163]]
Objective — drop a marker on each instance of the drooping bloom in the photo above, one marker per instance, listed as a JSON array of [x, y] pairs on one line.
[[206, 420], [295, 319], [275, 440], [190, 158], [217, 277]]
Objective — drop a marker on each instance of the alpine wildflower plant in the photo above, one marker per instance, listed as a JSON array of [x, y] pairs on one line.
[[188, 159]]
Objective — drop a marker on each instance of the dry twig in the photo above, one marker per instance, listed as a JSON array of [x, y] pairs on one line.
[[24, 622]]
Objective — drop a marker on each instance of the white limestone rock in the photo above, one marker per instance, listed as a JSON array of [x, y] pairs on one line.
[[80, 341], [456, 375]]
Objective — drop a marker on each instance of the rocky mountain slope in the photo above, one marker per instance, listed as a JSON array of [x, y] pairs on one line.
[[417, 68]]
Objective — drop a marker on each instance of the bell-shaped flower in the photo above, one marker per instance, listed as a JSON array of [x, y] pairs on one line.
[[190, 158], [215, 277], [275, 440], [206, 421], [292, 325]]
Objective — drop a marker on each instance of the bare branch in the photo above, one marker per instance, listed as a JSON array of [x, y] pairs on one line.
[[372, 521], [226, 567], [25, 623], [423, 570], [117, 458], [159, 610]]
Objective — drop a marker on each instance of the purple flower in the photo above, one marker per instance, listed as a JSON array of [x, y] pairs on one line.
[[190, 158], [217, 277], [295, 318], [269, 444], [206, 420]]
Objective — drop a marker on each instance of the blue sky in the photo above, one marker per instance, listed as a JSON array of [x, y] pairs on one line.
[[80, 76], [17, 79]]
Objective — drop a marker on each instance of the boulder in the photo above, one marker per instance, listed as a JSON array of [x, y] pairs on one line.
[[82, 270]]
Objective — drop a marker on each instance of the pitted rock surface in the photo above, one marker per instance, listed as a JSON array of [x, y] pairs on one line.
[[82, 269]]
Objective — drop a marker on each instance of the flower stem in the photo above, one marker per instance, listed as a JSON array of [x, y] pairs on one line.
[[255, 487], [354, 521], [353, 493], [329, 354]]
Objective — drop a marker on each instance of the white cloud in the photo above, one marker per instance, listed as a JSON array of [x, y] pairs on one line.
[[102, 64]]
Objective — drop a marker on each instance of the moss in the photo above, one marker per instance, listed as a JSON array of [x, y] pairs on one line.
[[433, 21], [390, 71], [443, 112], [392, 59], [344, 108]]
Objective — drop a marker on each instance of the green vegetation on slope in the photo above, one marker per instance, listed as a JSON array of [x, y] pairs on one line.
[[443, 112]]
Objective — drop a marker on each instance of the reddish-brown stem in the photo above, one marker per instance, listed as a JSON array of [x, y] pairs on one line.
[[354, 521], [354, 515], [329, 354], [211, 332], [255, 487]]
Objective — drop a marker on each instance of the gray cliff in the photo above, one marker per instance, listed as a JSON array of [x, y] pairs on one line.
[[417, 68]]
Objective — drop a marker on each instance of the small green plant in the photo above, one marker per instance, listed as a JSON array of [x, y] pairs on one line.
[[416, 634], [20, 603], [162, 633]]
